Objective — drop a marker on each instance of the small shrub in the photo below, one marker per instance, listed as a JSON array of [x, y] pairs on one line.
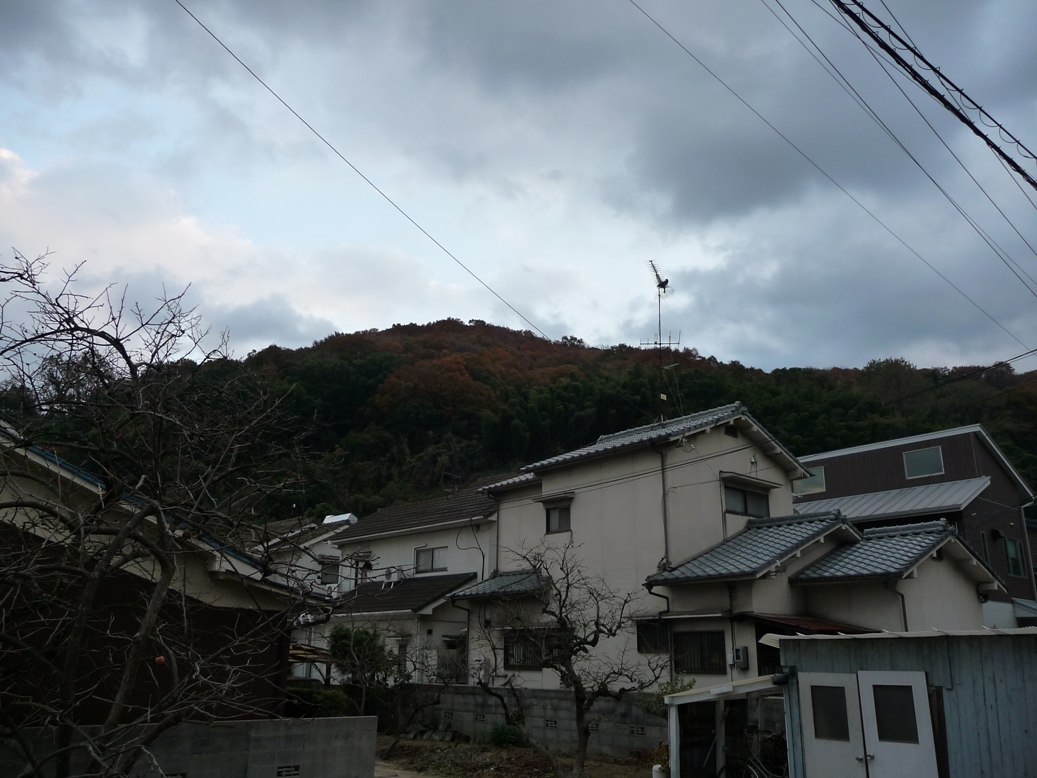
[[504, 735], [320, 702]]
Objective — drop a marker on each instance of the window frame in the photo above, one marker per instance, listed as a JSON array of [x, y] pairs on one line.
[[943, 465], [536, 644], [703, 666], [728, 487], [558, 507], [432, 563], [1018, 546], [326, 566], [813, 474], [653, 637]]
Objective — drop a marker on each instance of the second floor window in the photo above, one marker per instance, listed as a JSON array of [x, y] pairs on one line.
[[812, 485], [923, 462], [1014, 555], [699, 652], [559, 518], [430, 560], [746, 503], [329, 573]]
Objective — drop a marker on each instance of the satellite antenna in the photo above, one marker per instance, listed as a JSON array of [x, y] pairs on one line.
[[662, 289]]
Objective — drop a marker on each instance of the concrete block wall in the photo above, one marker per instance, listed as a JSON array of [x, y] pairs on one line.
[[283, 748], [621, 728]]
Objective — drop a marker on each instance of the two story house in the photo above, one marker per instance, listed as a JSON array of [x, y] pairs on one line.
[[960, 475]]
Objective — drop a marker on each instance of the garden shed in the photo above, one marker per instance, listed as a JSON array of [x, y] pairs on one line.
[[931, 704]]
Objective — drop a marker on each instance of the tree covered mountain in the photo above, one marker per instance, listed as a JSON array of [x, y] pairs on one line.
[[414, 409]]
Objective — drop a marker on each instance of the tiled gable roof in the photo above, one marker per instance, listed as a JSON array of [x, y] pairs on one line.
[[513, 584], [410, 594], [642, 436], [466, 503], [883, 552], [761, 545]]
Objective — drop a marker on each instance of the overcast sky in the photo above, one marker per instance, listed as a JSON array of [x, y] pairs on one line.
[[554, 147]]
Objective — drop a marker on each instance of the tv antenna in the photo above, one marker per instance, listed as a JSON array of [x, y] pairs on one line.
[[662, 289]]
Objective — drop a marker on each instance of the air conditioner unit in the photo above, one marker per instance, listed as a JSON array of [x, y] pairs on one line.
[[741, 657]]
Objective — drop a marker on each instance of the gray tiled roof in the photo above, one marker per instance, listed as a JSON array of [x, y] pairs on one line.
[[509, 483], [641, 436], [946, 497], [466, 503], [410, 594], [511, 584], [762, 544], [883, 552]]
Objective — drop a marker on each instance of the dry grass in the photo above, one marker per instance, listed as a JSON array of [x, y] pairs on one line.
[[478, 760]]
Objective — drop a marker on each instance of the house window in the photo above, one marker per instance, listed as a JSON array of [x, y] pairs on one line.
[[699, 652], [430, 560], [329, 573], [558, 518], [522, 652], [984, 547], [653, 637], [746, 503], [1014, 555], [812, 485], [401, 659], [923, 462]]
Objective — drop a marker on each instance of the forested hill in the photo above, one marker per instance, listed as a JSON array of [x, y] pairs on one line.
[[403, 412]]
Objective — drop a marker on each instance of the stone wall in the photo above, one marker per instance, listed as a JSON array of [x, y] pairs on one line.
[[621, 727], [283, 748]]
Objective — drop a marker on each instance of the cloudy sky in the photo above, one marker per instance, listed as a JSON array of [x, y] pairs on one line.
[[553, 147]]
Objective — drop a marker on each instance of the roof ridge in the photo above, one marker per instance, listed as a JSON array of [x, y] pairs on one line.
[[939, 526], [660, 425], [794, 518]]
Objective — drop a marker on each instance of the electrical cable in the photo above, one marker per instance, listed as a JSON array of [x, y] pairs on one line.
[[356, 170], [963, 377], [821, 170], [847, 87]]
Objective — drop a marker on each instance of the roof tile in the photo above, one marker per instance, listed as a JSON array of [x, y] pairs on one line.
[[410, 594]]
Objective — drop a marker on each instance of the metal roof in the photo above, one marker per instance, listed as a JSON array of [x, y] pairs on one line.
[[883, 552], [664, 431], [756, 549], [517, 583], [948, 496]]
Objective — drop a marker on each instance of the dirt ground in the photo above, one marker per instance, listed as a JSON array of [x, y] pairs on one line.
[[478, 760]]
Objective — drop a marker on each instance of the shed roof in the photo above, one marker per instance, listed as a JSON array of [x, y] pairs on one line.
[[513, 584], [756, 549], [410, 594], [672, 429], [949, 496]]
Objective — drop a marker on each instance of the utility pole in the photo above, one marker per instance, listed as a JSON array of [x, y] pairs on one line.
[[870, 24]]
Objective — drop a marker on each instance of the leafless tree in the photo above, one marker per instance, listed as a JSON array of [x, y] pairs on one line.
[[571, 622], [132, 457]]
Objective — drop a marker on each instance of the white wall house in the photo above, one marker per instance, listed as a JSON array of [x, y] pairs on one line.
[[635, 503]]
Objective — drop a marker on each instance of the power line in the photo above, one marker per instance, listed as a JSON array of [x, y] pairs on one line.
[[1013, 266], [821, 170], [356, 170], [963, 377]]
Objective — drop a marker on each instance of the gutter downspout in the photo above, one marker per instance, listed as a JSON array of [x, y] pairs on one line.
[[891, 584], [665, 561], [669, 651]]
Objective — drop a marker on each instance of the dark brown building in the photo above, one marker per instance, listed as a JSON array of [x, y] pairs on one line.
[[958, 474]]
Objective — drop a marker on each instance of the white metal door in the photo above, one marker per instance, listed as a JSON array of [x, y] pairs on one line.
[[898, 731], [833, 739]]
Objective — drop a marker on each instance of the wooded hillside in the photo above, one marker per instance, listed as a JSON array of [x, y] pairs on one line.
[[398, 413]]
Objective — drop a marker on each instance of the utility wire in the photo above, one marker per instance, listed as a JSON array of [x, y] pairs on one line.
[[833, 71], [356, 170], [962, 377], [821, 170]]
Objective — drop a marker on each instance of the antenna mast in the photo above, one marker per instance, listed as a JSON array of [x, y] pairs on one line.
[[662, 288]]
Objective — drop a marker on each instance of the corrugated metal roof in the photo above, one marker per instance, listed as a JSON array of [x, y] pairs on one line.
[[883, 552], [761, 545], [511, 584], [649, 433], [932, 498]]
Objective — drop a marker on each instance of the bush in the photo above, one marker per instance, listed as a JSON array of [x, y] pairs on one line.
[[320, 702], [505, 735]]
